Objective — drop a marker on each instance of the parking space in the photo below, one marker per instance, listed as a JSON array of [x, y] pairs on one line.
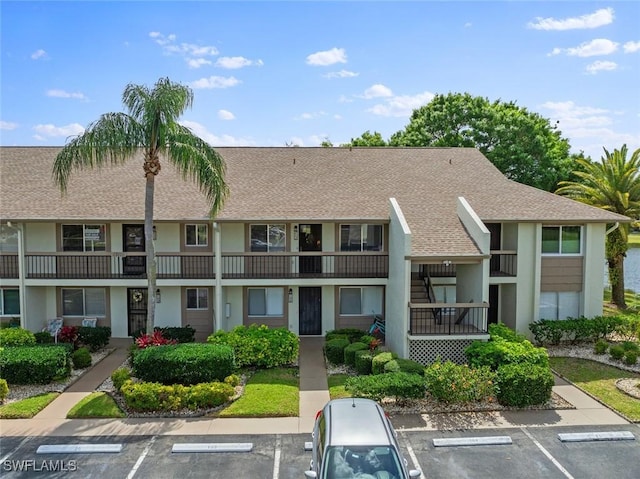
[[531, 453]]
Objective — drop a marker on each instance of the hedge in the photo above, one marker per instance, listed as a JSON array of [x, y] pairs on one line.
[[454, 383], [399, 385], [352, 334], [350, 352], [377, 367], [522, 385], [34, 364], [94, 338], [499, 351], [334, 350], [574, 330], [363, 361], [405, 366], [16, 337]]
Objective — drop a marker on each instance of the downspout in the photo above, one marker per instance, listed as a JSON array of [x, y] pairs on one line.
[[217, 261], [21, 286], [612, 229]]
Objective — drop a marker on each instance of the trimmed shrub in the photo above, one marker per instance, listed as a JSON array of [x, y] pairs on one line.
[[453, 383], [154, 339], [367, 339], [522, 385], [377, 366], [405, 366], [498, 351], [158, 397], [183, 334], [398, 385], [603, 326], [630, 357], [4, 390], [363, 361], [630, 346], [601, 346], [334, 350], [42, 337], [232, 380], [17, 337], [207, 395], [34, 364], [187, 363], [81, 358], [259, 346], [119, 377], [94, 338], [350, 352], [616, 352], [500, 330], [352, 334]]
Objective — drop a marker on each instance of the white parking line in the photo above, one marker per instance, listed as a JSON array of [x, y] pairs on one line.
[[412, 455], [22, 443], [548, 454], [141, 458], [276, 458]]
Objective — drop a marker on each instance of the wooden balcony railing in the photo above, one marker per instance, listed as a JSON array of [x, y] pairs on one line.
[[448, 318], [184, 266]]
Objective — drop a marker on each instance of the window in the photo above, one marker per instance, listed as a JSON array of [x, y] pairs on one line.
[[197, 235], [559, 305], [361, 301], [561, 239], [83, 238], [8, 239], [266, 301], [9, 302], [360, 237], [84, 302], [268, 237], [197, 298]]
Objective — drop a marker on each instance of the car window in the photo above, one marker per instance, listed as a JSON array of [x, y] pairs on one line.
[[379, 462]]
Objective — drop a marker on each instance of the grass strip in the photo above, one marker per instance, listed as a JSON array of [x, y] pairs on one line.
[[27, 408], [336, 386], [96, 405]]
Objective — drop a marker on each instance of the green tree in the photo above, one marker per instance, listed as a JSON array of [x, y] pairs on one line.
[[521, 144], [367, 139], [612, 184], [150, 130]]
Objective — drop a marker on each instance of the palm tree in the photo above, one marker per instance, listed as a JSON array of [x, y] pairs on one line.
[[150, 129], [613, 185]]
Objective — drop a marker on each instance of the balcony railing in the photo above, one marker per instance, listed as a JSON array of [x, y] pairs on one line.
[[448, 318], [233, 266], [502, 263]]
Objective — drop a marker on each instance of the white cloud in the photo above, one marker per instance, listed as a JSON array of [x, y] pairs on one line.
[[377, 91], [341, 74], [38, 54], [345, 99], [599, 66], [327, 57], [191, 52], [295, 141], [631, 47], [197, 62], [64, 94], [226, 115], [337, 116], [214, 82], [599, 46], [310, 115], [233, 63], [401, 106], [7, 125], [468, 25], [214, 140], [599, 18], [50, 131]]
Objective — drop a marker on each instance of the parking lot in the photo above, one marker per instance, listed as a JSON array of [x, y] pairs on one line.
[[522, 453]]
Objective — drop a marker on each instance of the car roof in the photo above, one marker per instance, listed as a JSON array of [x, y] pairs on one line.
[[356, 422]]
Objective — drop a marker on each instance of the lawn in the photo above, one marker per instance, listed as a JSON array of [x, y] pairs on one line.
[[27, 408], [97, 404], [634, 239], [633, 304], [336, 386], [599, 380]]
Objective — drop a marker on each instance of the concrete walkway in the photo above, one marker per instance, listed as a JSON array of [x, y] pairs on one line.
[[313, 396]]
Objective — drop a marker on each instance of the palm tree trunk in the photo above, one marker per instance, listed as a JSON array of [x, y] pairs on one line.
[[616, 252], [151, 252]]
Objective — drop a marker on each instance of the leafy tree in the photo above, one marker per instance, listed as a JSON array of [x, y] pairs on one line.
[[150, 129], [612, 184], [521, 144], [368, 139]]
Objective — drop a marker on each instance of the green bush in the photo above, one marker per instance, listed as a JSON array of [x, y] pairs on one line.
[[350, 352], [259, 346], [42, 337], [94, 338], [34, 364], [16, 337], [603, 326], [366, 339], [232, 380], [575, 330], [500, 330], [377, 366], [453, 383], [363, 361], [352, 334], [208, 395], [405, 366], [398, 385], [616, 351], [153, 396], [525, 384], [334, 350], [181, 334], [601, 346], [119, 377], [187, 363], [4, 390], [630, 357], [498, 351], [629, 327], [630, 346], [81, 358]]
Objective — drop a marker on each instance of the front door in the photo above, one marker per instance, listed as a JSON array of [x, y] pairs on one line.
[[133, 242], [137, 310], [494, 297], [310, 311], [495, 230], [310, 240]]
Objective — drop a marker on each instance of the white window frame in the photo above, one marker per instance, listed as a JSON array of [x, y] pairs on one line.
[[559, 304], [363, 235], [85, 227], [85, 310], [197, 227], [365, 303], [3, 311], [560, 241], [199, 306], [268, 226], [274, 296]]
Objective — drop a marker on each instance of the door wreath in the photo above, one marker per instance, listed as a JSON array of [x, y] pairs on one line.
[[137, 296]]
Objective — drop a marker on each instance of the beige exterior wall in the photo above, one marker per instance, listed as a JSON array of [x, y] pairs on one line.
[[528, 291], [594, 254]]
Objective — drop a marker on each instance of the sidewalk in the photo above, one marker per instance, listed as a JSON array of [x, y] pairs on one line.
[[313, 396]]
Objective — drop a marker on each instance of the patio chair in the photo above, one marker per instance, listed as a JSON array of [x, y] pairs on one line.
[[462, 314], [90, 322], [53, 327]]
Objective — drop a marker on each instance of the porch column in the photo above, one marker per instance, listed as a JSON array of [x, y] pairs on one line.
[[217, 261]]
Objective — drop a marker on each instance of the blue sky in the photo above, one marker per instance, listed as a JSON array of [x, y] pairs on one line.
[[275, 73]]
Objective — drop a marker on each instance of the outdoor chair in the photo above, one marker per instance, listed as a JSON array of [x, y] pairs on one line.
[[90, 322], [53, 327]]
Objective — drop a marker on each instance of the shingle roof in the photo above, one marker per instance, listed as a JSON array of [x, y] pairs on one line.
[[298, 184]]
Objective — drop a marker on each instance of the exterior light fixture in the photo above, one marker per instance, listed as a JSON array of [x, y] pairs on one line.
[[158, 296], [155, 233], [295, 232], [446, 263], [290, 295]]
